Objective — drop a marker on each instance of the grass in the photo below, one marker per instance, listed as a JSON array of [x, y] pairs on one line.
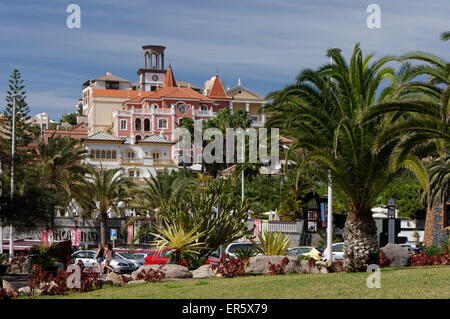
[[411, 282]]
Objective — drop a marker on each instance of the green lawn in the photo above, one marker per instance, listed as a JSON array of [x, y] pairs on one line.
[[418, 282]]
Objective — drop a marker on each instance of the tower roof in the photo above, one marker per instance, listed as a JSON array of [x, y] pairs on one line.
[[217, 90], [169, 80]]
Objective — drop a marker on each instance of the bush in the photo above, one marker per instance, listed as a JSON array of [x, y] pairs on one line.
[[230, 267], [424, 259], [278, 269], [273, 243], [152, 275]]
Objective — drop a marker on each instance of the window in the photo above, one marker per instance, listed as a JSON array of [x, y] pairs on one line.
[[123, 124], [155, 155], [155, 106], [108, 154], [204, 107], [103, 154], [147, 125], [114, 154], [97, 154], [92, 154], [254, 118], [138, 137], [137, 124], [163, 123], [182, 108], [112, 85], [130, 154], [338, 248]]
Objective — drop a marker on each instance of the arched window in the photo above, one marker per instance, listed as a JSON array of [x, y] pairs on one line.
[[138, 138], [114, 154], [103, 154], [204, 107], [137, 124], [155, 106], [92, 154], [108, 154], [146, 125], [97, 154]]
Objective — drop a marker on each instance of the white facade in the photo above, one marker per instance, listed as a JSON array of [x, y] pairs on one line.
[[139, 160]]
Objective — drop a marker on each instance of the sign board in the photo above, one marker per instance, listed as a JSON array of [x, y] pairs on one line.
[[113, 232], [130, 234]]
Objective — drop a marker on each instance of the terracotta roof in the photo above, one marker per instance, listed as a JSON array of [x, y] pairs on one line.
[[110, 77], [120, 93], [217, 90], [169, 80], [184, 84], [171, 93]]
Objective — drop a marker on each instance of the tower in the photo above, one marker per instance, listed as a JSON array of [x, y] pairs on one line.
[[152, 75]]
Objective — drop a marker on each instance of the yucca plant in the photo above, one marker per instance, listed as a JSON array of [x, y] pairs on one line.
[[178, 240], [273, 243]]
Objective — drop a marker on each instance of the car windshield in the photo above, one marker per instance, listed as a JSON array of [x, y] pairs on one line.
[[238, 247], [338, 248], [165, 253], [127, 256]]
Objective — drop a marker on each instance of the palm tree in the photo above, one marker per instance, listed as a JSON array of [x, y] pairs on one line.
[[321, 111], [445, 36], [100, 192], [61, 160]]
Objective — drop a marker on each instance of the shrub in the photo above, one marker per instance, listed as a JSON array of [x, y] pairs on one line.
[[230, 267], [47, 284], [384, 261], [423, 259], [278, 269], [152, 275], [273, 243], [245, 253]]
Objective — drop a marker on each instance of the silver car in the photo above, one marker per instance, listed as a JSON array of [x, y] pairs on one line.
[[138, 262], [87, 257]]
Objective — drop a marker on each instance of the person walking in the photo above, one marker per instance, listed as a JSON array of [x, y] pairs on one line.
[[108, 257], [99, 257]]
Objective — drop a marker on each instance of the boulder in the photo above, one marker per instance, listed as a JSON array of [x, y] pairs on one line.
[[15, 269], [27, 266], [115, 279], [204, 271], [171, 271], [8, 286], [136, 282], [126, 278], [26, 291], [397, 255], [259, 265]]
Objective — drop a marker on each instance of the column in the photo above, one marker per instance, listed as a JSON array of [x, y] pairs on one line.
[[152, 112], [231, 106], [263, 116], [247, 107]]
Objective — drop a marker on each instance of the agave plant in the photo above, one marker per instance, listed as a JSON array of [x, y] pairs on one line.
[[178, 240], [273, 243]]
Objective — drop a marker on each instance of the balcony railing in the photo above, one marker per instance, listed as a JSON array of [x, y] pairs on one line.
[[157, 162], [145, 111], [131, 160], [204, 113]]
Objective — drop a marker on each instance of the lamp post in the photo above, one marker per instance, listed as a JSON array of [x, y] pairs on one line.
[[391, 220], [13, 138]]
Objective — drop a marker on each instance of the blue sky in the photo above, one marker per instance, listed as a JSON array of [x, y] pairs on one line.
[[264, 42]]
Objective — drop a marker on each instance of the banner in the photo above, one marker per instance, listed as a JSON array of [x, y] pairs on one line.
[[257, 228], [75, 236], [130, 234], [47, 237]]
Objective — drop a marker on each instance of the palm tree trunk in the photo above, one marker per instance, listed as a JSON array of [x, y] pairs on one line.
[[360, 241], [103, 218]]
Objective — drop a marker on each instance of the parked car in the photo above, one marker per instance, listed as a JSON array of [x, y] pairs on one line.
[[307, 251], [129, 257], [235, 247], [413, 248], [143, 255], [87, 258], [338, 252], [162, 257]]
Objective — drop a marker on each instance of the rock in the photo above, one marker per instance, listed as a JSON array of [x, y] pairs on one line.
[[25, 291], [15, 269], [127, 278], [259, 265], [27, 266], [115, 279], [397, 255], [171, 271], [8, 286], [136, 282], [204, 271]]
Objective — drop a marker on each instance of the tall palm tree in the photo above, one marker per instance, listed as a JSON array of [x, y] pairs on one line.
[[100, 192], [321, 112]]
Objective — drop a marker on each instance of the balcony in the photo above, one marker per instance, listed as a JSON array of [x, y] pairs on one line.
[[206, 113], [164, 162], [131, 160]]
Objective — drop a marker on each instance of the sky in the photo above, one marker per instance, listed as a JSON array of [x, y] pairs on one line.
[[265, 43]]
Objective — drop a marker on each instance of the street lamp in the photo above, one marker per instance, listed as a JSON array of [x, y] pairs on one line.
[[391, 208], [13, 141]]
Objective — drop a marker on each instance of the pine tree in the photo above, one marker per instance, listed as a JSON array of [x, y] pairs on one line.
[[25, 131]]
